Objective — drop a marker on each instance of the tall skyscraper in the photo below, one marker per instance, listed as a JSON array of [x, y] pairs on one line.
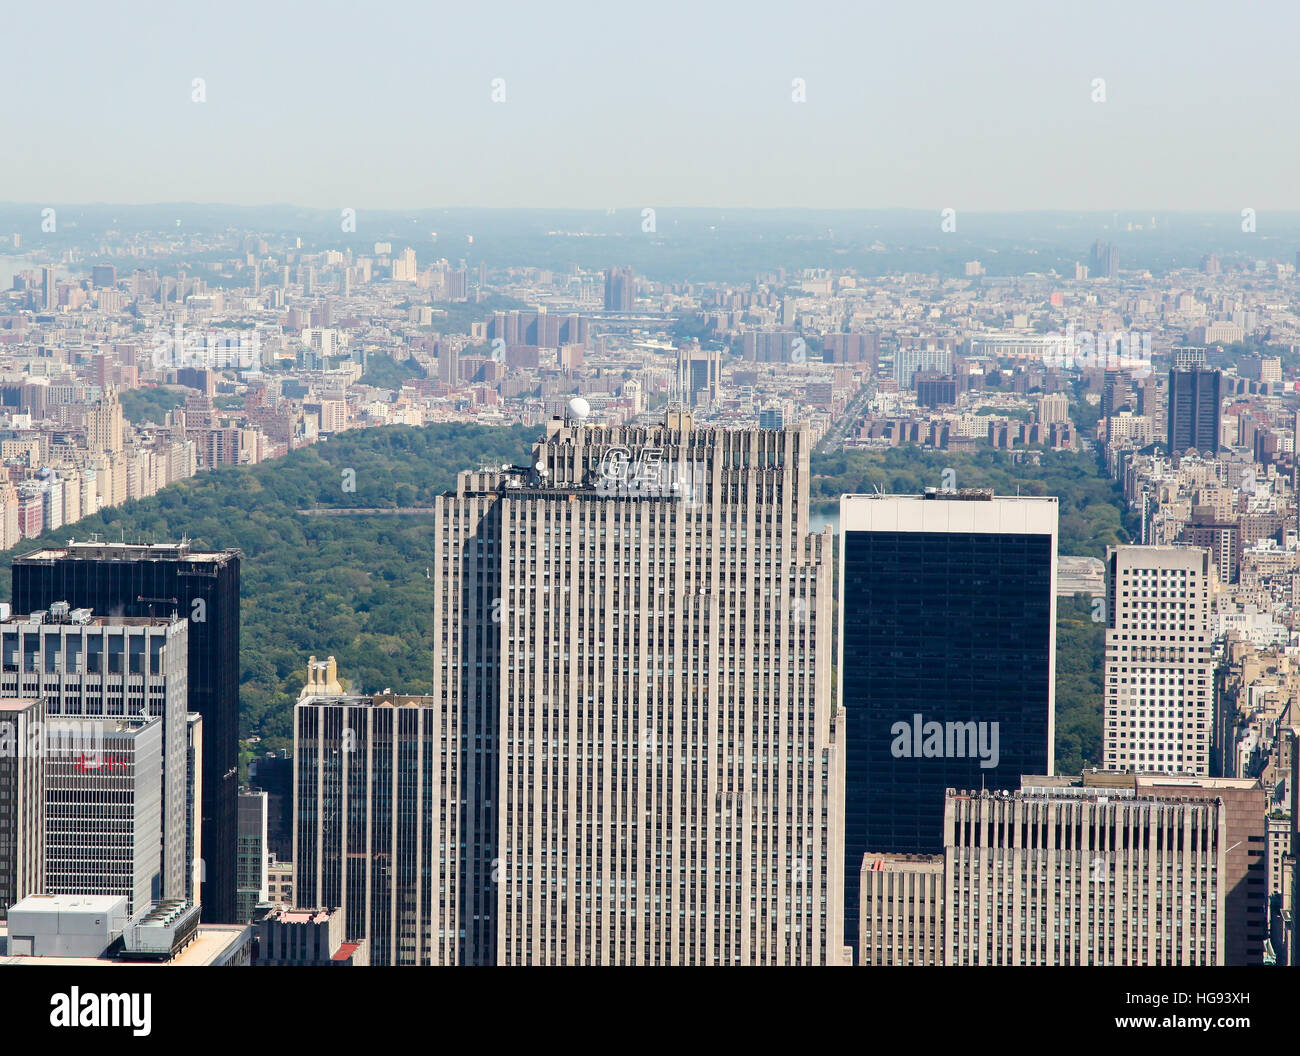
[[948, 660], [99, 667], [1059, 872], [375, 832], [1105, 260], [1115, 393], [251, 880], [49, 290], [1159, 693], [449, 363], [1246, 866], [22, 801], [633, 640], [158, 580], [273, 774], [908, 362], [1194, 404], [620, 290], [105, 425], [699, 374]]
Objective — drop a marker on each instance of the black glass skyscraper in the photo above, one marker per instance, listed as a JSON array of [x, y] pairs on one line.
[[947, 661], [1195, 399], [116, 579]]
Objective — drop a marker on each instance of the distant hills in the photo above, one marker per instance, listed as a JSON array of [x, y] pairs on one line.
[[697, 244]]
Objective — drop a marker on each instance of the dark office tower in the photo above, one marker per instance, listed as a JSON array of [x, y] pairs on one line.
[[274, 775], [374, 832], [947, 660], [935, 390], [122, 579], [1105, 260], [1195, 397], [620, 290], [1115, 393], [457, 284]]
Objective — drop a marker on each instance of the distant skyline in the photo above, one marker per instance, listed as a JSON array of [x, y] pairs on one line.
[[933, 106]]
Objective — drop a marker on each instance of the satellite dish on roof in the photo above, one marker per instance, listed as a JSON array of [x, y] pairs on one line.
[[541, 467], [579, 408]]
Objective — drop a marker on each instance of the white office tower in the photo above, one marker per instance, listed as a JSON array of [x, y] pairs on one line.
[[22, 801], [103, 815], [1159, 704], [93, 667], [194, 807], [633, 666]]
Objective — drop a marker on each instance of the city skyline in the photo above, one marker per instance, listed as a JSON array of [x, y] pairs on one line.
[[678, 485]]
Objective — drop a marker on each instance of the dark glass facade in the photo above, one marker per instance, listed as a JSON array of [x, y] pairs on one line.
[[275, 777], [1195, 398], [142, 581], [954, 628], [367, 801]]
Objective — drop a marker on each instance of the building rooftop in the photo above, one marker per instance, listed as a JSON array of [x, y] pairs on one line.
[[85, 618], [209, 945], [88, 904], [974, 510], [299, 916], [958, 495], [100, 551]]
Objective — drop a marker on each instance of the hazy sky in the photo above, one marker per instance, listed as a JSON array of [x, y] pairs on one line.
[[980, 106]]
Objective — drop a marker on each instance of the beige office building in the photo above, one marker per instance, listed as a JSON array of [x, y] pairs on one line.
[[1159, 693], [1058, 873], [900, 919], [641, 623]]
